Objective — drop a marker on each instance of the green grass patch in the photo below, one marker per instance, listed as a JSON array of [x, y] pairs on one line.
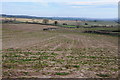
[[54, 54], [76, 66], [10, 66], [44, 53], [59, 60], [17, 56], [114, 69], [43, 57], [62, 73], [103, 75], [12, 49], [20, 60], [69, 26], [26, 73], [70, 56]]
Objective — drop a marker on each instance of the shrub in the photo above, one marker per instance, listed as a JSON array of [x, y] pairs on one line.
[[56, 22], [64, 23], [62, 73], [86, 23], [45, 21]]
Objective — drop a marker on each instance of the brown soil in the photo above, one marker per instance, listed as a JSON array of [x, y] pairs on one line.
[[62, 53]]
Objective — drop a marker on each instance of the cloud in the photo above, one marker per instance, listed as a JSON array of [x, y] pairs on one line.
[[105, 2], [21, 0], [59, 1], [72, 3], [69, 2], [93, 4], [43, 1]]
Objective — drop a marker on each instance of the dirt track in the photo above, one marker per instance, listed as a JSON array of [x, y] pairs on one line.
[[32, 38]]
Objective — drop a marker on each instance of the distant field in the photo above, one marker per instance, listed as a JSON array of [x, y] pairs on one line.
[[28, 51], [68, 22], [22, 19]]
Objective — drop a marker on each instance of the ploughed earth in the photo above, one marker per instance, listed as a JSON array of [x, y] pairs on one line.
[[31, 52]]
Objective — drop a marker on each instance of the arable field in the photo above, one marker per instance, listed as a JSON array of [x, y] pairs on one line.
[[68, 22], [30, 52]]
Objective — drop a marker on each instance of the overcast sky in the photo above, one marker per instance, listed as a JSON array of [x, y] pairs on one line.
[[62, 8]]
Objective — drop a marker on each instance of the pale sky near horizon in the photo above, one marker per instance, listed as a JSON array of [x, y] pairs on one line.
[[62, 8]]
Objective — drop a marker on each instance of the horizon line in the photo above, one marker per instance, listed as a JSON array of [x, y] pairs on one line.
[[56, 16]]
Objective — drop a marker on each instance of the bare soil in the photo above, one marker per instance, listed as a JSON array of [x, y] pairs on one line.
[[28, 51]]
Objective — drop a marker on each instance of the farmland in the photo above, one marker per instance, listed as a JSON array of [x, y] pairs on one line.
[[30, 52], [62, 51], [64, 39]]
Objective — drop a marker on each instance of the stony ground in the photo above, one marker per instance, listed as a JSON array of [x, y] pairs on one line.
[[28, 51]]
